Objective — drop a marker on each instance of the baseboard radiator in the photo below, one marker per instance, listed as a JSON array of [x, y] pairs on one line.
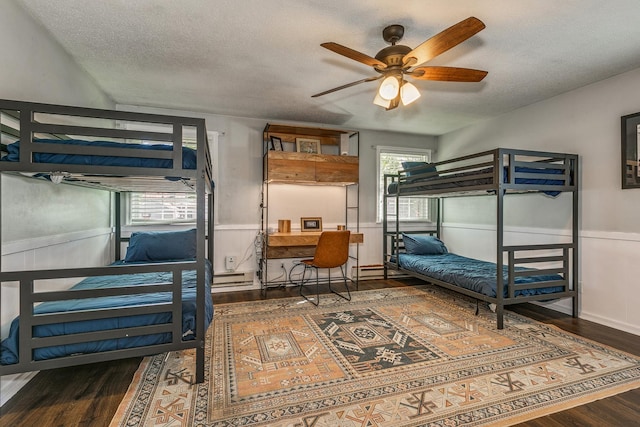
[[374, 272], [233, 279]]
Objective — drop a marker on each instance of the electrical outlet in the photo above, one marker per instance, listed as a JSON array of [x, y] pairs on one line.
[[230, 262]]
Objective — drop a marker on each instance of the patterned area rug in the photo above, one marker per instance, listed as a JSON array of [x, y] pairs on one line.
[[394, 357]]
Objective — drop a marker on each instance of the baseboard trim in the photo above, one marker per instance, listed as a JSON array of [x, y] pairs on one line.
[[11, 384], [605, 321]]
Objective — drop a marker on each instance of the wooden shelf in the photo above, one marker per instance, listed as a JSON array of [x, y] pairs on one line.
[[290, 133], [293, 167]]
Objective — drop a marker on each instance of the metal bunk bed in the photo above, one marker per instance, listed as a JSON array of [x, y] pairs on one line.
[[495, 173], [119, 166]]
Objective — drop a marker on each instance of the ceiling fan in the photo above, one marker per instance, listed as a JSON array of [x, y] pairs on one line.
[[395, 62]]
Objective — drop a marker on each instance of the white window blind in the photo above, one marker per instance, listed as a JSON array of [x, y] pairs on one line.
[[390, 162], [146, 208]]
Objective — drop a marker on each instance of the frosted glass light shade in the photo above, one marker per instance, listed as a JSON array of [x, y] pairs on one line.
[[408, 93], [389, 88], [56, 177], [381, 101]]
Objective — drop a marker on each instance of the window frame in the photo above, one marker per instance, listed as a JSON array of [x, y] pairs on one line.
[[385, 149]]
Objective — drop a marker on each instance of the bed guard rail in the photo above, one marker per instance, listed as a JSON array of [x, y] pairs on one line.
[[30, 298], [501, 168], [552, 260], [35, 123]]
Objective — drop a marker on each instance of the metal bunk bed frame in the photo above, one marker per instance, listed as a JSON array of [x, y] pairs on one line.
[[494, 181], [114, 179]]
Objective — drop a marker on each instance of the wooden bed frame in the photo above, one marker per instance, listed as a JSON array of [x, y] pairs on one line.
[[35, 118], [500, 174]]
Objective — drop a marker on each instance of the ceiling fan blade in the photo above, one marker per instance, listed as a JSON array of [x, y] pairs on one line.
[[443, 41], [354, 54], [448, 74], [370, 79]]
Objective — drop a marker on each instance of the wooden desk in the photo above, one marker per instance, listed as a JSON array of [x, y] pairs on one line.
[[299, 244]]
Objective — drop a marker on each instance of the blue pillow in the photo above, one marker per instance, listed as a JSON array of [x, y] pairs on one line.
[[426, 168], [150, 246], [423, 244]]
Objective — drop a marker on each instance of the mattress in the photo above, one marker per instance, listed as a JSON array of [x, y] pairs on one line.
[[9, 346], [475, 275]]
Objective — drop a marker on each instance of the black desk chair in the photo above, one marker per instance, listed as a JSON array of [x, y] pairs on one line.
[[332, 251]]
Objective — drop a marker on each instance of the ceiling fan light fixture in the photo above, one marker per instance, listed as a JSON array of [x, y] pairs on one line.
[[408, 93], [378, 100], [394, 62], [389, 88]]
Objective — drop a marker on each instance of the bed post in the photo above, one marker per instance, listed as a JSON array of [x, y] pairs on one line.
[[118, 226], [575, 241], [499, 237], [385, 229], [439, 216], [210, 219], [396, 240], [1, 239], [201, 139]]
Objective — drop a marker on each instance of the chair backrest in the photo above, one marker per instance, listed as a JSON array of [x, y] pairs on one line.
[[332, 249]]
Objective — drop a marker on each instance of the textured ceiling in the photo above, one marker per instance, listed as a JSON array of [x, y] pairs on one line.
[[262, 59]]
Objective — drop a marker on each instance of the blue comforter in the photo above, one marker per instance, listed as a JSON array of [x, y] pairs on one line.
[[478, 276], [189, 156], [9, 346]]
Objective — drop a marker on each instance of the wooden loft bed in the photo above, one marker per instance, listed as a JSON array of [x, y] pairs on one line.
[[495, 173], [160, 304]]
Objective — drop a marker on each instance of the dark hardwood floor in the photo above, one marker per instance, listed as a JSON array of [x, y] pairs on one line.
[[89, 395]]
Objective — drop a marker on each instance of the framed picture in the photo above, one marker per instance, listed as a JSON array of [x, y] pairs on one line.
[[311, 224], [631, 151], [276, 143], [306, 145]]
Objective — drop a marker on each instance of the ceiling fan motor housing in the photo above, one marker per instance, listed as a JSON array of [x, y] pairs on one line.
[[393, 55]]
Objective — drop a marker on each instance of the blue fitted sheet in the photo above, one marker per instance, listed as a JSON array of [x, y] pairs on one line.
[[189, 156], [478, 276], [9, 346]]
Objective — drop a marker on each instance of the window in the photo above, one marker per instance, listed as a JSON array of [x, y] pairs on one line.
[[153, 208], [170, 208], [389, 162]]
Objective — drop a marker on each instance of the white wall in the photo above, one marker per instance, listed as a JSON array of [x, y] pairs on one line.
[[36, 68], [586, 122], [55, 212], [73, 229]]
